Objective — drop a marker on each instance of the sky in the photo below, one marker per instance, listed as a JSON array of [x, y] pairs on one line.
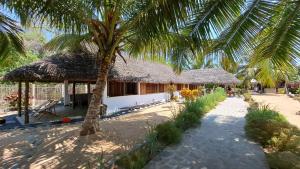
[[48, 35]]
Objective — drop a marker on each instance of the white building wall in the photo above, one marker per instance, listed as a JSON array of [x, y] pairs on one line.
[[115, 103]]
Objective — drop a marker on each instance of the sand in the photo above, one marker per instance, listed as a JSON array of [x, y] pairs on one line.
[[282, 103], [62, 147]]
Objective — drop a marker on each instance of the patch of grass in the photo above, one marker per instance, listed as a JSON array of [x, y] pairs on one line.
[[274, 132], [247, 97], [186, 120], [269, 128], [168, 133], [283, 160], [140, 156]]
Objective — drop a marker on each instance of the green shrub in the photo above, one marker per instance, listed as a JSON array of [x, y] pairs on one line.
[[283, 160], [271, 129], [187, 120], [134, 160], [168, 133], [208, 102], [264, 113], [139, 157], [196, 107], [281, 90], [247, 97]]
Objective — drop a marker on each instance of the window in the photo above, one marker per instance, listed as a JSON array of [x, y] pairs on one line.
[[192, 87], [151, 88], [115, 88], [180, 86], [131, 88], [161, 88]]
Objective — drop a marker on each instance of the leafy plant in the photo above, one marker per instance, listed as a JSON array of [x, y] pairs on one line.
[[271, 129], [283, 160], [247, 97], [186, 120], [171, 89], [281, 90], [168, 133], [12, 100], [137, 158], [189, 95]]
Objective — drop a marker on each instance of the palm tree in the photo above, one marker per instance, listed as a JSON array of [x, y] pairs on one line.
[[178, 30], [111, 25], [9, 36]]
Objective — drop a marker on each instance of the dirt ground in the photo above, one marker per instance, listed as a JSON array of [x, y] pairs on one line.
[[282, 103], [62, 147]]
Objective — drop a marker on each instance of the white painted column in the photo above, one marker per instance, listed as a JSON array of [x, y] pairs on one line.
[[66, 93], [33, 88], [139, 88], [86, 88]]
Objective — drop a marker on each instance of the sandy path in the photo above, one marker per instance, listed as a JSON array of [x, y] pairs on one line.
[[62, 147], [282, 103], [220, 143]]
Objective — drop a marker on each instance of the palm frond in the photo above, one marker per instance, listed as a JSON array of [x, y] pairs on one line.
[[238, 37], [9, 36], [280, 42], [68, 15], [212, 17], [70, 42]]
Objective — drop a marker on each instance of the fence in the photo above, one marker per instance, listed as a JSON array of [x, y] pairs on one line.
[[42, 91]]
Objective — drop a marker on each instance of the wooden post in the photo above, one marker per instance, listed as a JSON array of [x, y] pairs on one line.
[[33, 89], [124, 88], [88, 92], [89, 88], [66, 93], [26, 104], [74, 97], [138, 88], [19, 99]]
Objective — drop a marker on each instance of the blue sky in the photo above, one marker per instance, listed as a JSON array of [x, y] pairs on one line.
[[48, 35]]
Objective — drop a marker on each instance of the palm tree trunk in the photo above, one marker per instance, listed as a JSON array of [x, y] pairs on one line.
[[90, 124]]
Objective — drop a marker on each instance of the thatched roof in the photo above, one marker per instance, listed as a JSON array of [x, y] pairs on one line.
[[81, 67], [210, 75]]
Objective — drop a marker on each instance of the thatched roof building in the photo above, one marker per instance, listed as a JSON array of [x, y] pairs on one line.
[[210, 75], [81, 67]]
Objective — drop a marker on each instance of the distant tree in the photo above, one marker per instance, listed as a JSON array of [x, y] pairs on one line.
[[33, 42]]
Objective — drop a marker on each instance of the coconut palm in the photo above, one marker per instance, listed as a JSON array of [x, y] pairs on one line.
[[9, 36], [110, 25], [178, 30]]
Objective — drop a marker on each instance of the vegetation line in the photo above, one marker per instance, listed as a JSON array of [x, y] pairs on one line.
[[170, 132], [280, 139]]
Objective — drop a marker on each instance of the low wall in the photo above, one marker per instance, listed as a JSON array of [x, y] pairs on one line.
[[270, 90], [115, 103]]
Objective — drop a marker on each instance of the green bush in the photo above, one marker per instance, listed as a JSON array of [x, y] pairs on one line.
[[134, 160], [283, 160], [196, 107], [281, 90], [139, 157], [187, 120], [194, 110], [168, 133], [208, 102], [264, 113], [247, 97], [272, 130]]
